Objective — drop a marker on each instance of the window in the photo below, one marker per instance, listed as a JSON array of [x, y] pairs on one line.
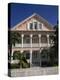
[[26, 39], [35, 39], [35, 54], [40, 26], [35, 25], [43, 39], [31, 25]]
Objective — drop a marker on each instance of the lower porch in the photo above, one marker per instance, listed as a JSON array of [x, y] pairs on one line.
[[32, 57]]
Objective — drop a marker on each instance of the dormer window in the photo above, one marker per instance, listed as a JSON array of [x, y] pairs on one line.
[[31, 25], [40, 26], [35, 25]]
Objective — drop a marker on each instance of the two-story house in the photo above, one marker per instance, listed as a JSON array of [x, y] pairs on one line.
[[35, 33]]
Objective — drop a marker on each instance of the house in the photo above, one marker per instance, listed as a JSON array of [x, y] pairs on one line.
[[35, 34]]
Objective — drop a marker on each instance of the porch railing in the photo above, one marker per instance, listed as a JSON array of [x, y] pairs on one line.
[[35, 44], [29, 45], [18, 45], [26, 45]]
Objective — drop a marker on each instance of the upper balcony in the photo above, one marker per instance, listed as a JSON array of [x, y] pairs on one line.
[[34, 41]]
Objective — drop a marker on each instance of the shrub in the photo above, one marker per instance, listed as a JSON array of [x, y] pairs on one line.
[[13, 66]]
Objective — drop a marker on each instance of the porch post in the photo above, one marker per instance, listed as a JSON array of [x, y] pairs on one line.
[[22, 39], [48, 39], [40, 57], [39, 40], [31, 39], [12, 54], [30, 58], [33, 25], [21, 51]]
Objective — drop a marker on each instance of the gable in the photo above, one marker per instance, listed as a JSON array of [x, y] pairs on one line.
[[25, 25]]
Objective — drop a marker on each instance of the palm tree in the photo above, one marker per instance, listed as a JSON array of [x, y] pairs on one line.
[[13, 37], [16, 55], [22, 59]]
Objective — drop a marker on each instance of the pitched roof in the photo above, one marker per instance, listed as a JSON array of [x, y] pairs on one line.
[[34, 15]]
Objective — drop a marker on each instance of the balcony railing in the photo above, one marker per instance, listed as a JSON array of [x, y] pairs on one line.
[[29, 45], [26, 45], [35, 44], [18, 45], [43, 44]]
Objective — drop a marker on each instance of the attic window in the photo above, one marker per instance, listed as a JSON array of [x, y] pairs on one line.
[[35, 25], [31, 25], [40, 26]]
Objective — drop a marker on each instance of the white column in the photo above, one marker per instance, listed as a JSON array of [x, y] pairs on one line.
[[40, 56], [31, 39], [38, 25], [39, 40], [22, 39], [48, 39], [12, 54], [30, 58], [33, 25], [21, 51]]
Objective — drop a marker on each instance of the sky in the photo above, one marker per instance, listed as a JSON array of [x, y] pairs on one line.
[[17, 12]]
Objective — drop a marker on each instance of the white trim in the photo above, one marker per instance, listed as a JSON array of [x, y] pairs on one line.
[[22, 39], [30, 58], [31, 39]]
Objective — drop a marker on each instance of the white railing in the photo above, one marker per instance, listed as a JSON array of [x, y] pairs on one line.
[[18, 45], [33, 45], [43, 45], [14, 61], [26, 45]]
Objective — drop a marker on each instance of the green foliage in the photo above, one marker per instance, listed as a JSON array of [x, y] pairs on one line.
[[51, 56], [44, 53], [53, 51], [14, 66], [16, 55], [45, 58], [22, 60], [14, 37]]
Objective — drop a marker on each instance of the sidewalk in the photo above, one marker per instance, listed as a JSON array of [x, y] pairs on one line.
[[34, 71]]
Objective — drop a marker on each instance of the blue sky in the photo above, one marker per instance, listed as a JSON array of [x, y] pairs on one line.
[[19, 12]]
